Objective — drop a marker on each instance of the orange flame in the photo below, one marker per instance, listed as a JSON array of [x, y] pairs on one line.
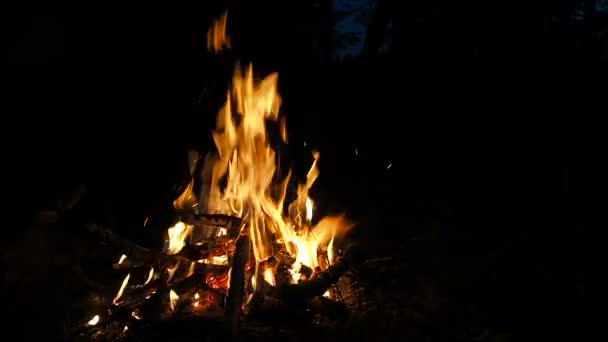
[[186, 199], [246, 157], [217, 39]]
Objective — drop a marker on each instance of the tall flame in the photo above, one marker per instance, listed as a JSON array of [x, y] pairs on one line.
[[217, 39], [244, 180]]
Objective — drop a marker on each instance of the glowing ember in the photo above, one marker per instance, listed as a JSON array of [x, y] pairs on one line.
[[122, 258], [215, 260], [93, 321], [121, 290], [217, 39]]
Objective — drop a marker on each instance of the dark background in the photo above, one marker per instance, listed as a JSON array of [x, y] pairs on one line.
[[487, 113]]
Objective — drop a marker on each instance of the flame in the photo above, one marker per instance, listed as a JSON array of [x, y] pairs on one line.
[[136, 314], [217, 39], [150, 275], [171, 270], [177, 237], [269, 276], [186, 198], [330, 250], [243, 180], [122, 258], [122, 289], [173, 298], [309, 206], [93, 321], [191, 269]]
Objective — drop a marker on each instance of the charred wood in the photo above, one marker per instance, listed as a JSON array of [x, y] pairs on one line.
[[236, 291]]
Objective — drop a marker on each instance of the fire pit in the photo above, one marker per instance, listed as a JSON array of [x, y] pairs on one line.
[[238, 251]]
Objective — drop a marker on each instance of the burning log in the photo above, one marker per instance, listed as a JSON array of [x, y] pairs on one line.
[[236, 292], [316, 286]]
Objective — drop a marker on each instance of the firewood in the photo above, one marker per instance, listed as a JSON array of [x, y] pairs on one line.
[[328, 307], [236, 292], [139, 255], [316, 286]]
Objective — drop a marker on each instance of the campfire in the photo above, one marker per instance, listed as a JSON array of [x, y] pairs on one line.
[[240, 248]]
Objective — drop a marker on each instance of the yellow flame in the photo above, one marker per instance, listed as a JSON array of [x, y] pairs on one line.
[[93, 321], [150, 276], [217, 39], [177, 237], [242, 178], [122, 289], [124, 330], [173, 298], [309, 207], [196, 296], [269, 276], [122, 259]]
